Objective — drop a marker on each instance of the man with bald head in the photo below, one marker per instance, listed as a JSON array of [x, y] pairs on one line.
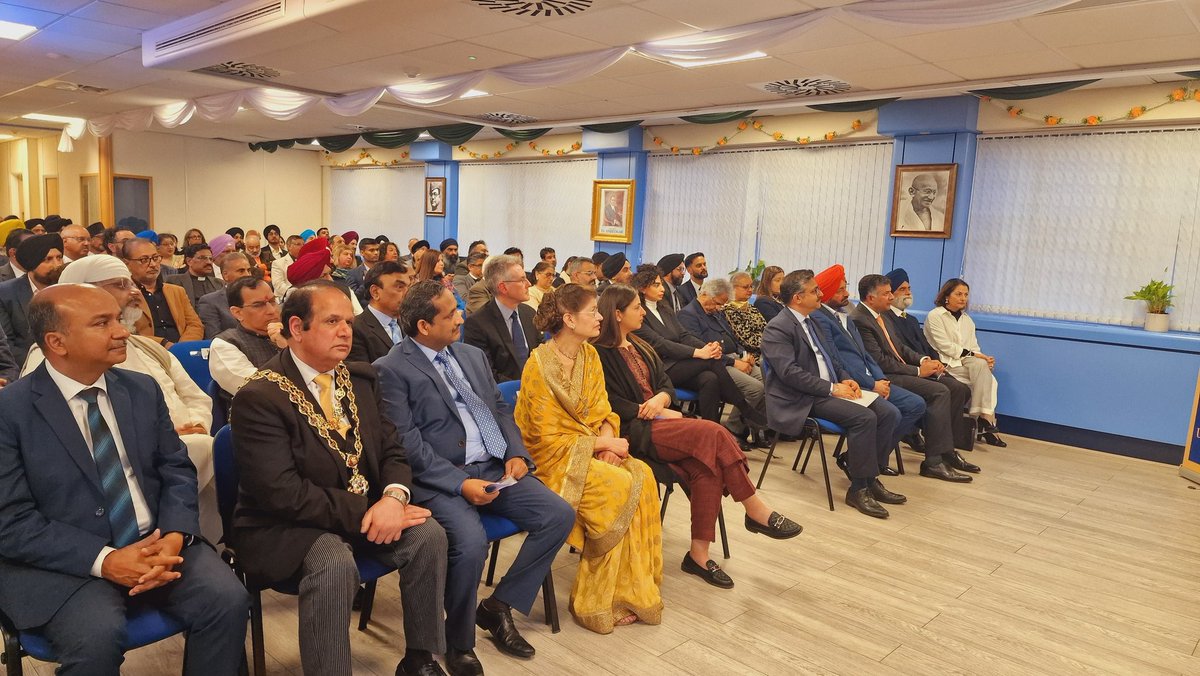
[[75, 242], [98, 501], [918, 213]]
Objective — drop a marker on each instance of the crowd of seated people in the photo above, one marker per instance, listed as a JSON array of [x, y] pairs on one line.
[[363, 392]]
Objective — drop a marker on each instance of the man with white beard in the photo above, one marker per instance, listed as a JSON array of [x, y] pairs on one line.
[[189, 406]]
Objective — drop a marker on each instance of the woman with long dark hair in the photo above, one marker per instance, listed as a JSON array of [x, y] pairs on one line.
[[766, 297]]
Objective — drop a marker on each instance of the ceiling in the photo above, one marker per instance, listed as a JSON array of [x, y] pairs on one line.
[[85, 44]]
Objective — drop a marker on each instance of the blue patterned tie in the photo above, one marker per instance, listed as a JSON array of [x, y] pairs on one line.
[[520, 347], [493, 439], [121, 517], [812, 330], [394, 331]]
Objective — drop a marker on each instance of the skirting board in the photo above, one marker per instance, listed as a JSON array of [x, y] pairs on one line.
[[1132, 447]]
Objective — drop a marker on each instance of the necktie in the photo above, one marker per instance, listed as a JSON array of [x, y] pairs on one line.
[[812, 331], [121, 518], [493, 438], [394, 331], [520, 347], [883, 327], [324, 383]]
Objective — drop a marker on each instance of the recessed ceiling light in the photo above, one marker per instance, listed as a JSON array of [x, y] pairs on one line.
[[6, 137], [471, 58], [712, 62], [42, 117], [15, 31], [474, 94]]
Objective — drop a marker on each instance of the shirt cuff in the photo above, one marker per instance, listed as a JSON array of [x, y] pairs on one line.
[[98, 565], [923, 360], [401, 487]]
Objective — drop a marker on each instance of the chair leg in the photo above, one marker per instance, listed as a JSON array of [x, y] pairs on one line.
[[12, 655], [770, 455], [491, 574], [364, 616], [256, 634], [551, 603], [825, 468], [724, 535], [812, 443], [662, 513], [899, 460]]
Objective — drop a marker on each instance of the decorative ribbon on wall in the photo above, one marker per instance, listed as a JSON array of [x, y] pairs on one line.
[[1189, 92]]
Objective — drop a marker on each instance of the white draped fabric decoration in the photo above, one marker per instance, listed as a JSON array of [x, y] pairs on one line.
[[379, 201], [1064, 227], [528, 205], [712, 45]]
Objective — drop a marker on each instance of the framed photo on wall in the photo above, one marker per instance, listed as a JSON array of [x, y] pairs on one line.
[[612, 211], [435, 197], [923, 200]]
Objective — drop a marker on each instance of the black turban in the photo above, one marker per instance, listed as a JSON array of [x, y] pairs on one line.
[[613, 264], [668, 263], [33, 250]]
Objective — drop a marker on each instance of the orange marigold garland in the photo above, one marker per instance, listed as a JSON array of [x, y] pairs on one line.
[[1191, 92]]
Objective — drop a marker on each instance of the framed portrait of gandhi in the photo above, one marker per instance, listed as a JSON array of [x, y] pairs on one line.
[[923, 200], [612, 211]]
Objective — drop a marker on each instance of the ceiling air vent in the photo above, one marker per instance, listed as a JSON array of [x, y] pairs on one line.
[[544, 8], [507, 118], [248, 71], [805, 86], [64, 86], [248, 17]]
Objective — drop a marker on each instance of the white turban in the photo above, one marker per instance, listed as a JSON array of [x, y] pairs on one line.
[[92, 269]]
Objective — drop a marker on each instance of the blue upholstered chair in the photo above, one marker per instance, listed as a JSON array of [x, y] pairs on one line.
[[220, 409], [193, 354]]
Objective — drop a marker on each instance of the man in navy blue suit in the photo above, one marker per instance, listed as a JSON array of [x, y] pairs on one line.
[[460, 442], [98, 505]]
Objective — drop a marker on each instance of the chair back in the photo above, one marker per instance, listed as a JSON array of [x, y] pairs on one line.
[[225, 473], [220, 406], [193, 354], [509, 390]]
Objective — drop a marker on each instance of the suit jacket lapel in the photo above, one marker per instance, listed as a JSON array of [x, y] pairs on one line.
[[123, 408], [503, 329], [292, 372], [49, 402], [375, 327], [418, 359]]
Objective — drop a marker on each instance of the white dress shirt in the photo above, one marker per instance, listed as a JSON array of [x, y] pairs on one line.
[[822, 367], [474, 450]]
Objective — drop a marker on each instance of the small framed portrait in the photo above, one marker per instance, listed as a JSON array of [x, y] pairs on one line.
[[612, 211], [435, 197], [923, 201]]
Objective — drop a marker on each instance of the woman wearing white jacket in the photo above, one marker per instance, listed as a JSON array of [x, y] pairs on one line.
[[950, 330]]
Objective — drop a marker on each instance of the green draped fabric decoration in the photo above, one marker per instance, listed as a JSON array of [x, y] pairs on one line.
[[336, 144], [391, 139], [522, 134], [455, 134], [1194, 74], [266, 146], [612, 127], [1031, 91], [852, 106], [717, 118], [289, 143]]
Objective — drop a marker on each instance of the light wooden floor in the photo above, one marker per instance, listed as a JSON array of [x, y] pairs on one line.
[[1056, 561]]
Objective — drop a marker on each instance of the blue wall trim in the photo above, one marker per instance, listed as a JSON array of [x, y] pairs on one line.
[[626, 164], [438, 228], [929, 116]]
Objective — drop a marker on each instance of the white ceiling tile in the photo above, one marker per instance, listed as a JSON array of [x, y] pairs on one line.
[[602, 87], [109, 13], [461, 20], [903, 76], [1005, 38], [1113, 23], [829, 33], [1009, 65], [621, 25], [82, 28], [455, 56], [709, 15], [30, 16], [55, 6], [538, 42], [1149, 50], [176, 8], [745, 72], [844, 61]]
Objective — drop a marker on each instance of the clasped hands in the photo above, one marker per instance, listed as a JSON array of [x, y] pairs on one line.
[[475, 490], [656, 407], [709, 351], [613, 450], [146, 564]]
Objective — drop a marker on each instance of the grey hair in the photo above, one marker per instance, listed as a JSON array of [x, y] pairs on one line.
[[740, 275], [495, 268], [576, 264], [716, 287]]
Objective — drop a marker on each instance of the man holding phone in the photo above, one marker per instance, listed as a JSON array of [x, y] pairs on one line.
[[462, 445]]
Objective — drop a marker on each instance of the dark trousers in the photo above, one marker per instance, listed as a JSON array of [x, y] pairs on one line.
[[912, 410], [711, 382], [870, 431], [539, 511], [88, 630], [962, 425], [939, 412]]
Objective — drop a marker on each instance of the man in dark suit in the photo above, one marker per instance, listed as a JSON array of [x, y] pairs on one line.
[[12, 269], [503, 327], [197, 279], [213, 307], [323, 475], [805, 377], [377, 328], [98, 501], [459, 443], [356, 278], [944, 395], [671, 269], [10, 370], [41, 256], [697, 269]]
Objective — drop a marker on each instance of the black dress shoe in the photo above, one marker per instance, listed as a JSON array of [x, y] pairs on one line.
[[960, 463], [778, 526], [882, 494], [888, 471], [944, 472], [862, 501], [914, 441], [986, 432], [841, 462], [463, 663], [504, 630], [710, 572], [429, 667]]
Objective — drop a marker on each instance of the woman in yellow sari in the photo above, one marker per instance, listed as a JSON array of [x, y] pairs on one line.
[[574, 437]]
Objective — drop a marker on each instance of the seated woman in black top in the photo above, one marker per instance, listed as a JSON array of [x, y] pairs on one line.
[[687, 360], [767, 295], [703, 453]]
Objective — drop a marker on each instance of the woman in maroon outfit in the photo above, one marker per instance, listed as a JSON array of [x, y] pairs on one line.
[[702, 452]]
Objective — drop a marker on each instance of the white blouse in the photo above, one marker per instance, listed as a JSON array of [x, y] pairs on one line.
[[950, 336]]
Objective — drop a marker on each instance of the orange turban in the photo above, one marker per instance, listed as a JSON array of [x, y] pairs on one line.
[[830, 280]]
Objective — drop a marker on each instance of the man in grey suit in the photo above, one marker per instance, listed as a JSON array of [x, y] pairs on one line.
[[460, 444], [213, 307], [805, 377], [463, 283], [197, 278]]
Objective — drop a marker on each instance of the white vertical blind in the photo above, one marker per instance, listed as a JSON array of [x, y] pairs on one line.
[[529, 205], [379, 201], [797, 207], [1064, 227]]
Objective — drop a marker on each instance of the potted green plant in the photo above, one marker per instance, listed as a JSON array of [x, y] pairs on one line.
[[1158, 297]]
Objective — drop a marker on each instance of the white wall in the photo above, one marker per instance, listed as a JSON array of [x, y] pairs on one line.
[[378, 201], [215, 185]]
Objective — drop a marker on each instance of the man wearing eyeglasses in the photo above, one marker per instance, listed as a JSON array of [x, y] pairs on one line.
[[197, 278], [75, 242], [213, 307], [168, 317], [236, 353], [503, 329]]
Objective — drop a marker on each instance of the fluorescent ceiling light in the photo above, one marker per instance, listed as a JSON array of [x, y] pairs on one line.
[[474, 93], [15, 31], [6, 137], [62, 119], [314, 142], [712, 62]]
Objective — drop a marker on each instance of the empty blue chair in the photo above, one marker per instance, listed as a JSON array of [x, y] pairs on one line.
[[220, 409], [193, 354], [509, 390]]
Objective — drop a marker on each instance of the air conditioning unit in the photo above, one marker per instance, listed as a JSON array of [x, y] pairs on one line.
[[237, 30]]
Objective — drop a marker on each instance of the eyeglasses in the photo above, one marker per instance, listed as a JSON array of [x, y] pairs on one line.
[[77, 239], [595, 312], [263, 304], [515, 281], [147, 260], [124, 284]]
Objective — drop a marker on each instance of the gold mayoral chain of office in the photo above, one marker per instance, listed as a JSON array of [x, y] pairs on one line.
[[322, 425]]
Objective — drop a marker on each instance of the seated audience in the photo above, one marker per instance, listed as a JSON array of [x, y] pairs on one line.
[[671, 269], [12, 267], [390, 251], [80, 440], [75, 242], [951, 331], [745, 319], [598, 259], [548, 255], [167, 316], [378, 328], [213, 308], [96, 243], [275, 247], [315, 261], [460, 444], [696, 266], [449, 250], [542, 282], [279, 267], [478, 246], [474, 273], [9, 370], [254, 251], [343, 263], [429, 265], [318, 485], [369, 250], [221, 244], [168, 246], [197, 279], [504, 328], [115, 238], [766, 299], [478, 295], [582, 271], [616, 269], [41, 257], [705, 454], [237, 353], [806, 378], [193, 236], [571, 433]]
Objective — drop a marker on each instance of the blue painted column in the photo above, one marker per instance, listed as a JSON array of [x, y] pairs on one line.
[[439, 164], [620, 156], [931, 131]]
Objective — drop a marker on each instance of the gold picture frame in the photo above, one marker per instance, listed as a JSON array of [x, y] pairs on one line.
[[923, 200], [612, 210]]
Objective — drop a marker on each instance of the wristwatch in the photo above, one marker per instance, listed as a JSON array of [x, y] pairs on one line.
[[396, 494]]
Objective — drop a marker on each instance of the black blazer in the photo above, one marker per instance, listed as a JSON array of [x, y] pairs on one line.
[[625, 396], [910, 332], [670, 340], [687, 293], [6, 271], [877, 346], [15, 295], [292, 487], [371, 339], [768, 307], [712, 328], [792, 377], [487, 330], [10, 370]]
